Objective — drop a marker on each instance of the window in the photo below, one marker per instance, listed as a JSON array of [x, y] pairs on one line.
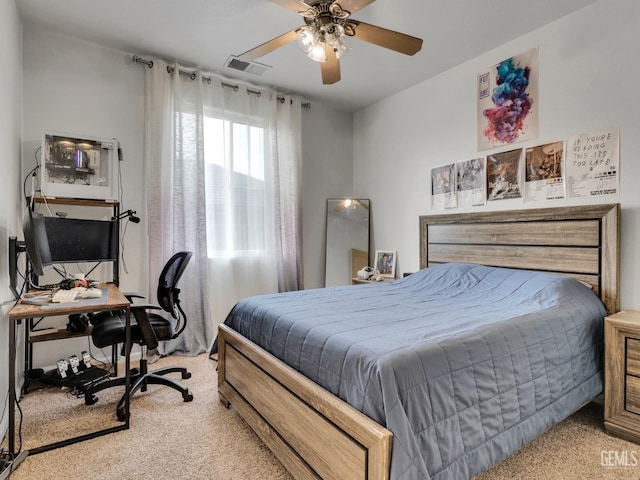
[[234, 155]]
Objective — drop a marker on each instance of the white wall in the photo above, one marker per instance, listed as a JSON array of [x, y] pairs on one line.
[[327, 172], [83, 89], [10, 136], [588, 81]]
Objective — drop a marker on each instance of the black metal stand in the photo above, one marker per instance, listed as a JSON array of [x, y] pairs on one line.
[[22, 312]]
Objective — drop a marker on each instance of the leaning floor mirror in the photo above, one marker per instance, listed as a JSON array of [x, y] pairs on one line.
[[347, 246]]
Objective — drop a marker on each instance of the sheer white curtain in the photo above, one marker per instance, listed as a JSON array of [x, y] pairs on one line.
[[252, 153], [223, 170], [288, 194], [174, 167]]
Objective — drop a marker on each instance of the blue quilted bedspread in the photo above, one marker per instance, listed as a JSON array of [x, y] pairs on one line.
[[463, 363]]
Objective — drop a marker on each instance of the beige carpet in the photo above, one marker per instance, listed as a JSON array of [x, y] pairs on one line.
[[171, 439]]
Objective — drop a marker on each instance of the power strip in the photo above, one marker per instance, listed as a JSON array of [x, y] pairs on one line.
[[8, 468]]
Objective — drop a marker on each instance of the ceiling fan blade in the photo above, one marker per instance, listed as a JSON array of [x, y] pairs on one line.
[[387, 38], [352, 6], [331, 68], [293, 5], [261, 50]]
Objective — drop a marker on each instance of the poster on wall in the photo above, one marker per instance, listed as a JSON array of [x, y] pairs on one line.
[[593, 164], [443, 187], [543, 177], [503, 175], [508, 101], [470, 183]]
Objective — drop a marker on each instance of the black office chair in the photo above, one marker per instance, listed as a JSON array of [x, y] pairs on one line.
[[146, 330]]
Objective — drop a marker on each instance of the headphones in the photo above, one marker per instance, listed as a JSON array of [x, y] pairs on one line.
[[73, 283]]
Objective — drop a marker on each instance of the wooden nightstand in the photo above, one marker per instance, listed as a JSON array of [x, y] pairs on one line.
[[622, 375]]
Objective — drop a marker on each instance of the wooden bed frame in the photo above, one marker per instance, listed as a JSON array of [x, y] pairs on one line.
[[315, 434]]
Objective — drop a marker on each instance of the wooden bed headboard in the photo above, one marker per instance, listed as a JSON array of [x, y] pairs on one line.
[[582, 242]]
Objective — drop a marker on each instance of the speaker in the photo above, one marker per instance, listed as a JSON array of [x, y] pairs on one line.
[[78, 323]]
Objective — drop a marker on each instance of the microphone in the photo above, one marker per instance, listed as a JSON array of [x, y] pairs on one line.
[[128, 214]]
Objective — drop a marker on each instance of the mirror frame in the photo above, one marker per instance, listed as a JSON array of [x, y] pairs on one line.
[[330, 204]]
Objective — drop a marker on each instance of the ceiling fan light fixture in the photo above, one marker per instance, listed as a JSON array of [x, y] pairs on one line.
[[305, 39], [327, 23], [313, 38], [335, 38], [318, 54]]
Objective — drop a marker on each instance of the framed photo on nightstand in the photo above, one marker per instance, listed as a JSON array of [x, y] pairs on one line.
[[386, 263]]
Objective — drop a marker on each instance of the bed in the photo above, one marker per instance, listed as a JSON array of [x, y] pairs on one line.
[[489, 378]]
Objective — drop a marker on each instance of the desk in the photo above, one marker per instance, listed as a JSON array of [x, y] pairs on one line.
[[115, 301]]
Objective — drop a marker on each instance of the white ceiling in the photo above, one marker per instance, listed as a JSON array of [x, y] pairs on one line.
[[204, 33]]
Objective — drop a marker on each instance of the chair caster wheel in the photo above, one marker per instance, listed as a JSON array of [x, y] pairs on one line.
[[90, 400], [187, 397], [186, 375]]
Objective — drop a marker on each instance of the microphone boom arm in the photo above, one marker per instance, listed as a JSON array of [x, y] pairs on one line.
[[130, 214]]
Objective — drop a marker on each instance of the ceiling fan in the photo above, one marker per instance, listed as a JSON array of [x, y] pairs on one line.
[[327, 23]]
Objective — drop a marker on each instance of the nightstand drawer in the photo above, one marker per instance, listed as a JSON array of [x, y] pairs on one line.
[[622, 375], [633, 356], [632, 402]]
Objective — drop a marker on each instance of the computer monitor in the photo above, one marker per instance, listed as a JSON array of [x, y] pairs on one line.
[[51, 240], [36, 241], [74, 240]]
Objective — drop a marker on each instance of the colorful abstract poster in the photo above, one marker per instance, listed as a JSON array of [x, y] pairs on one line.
[[508, 101], [470, 183], [443, 187], [593, 164], [543, 174], [503, 175]]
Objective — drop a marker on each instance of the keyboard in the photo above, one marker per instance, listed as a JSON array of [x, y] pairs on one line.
[[64, 296]]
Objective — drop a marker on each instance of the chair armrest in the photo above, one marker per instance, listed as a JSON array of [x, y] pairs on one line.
[[146, 330], [131, 295], [144, 306]]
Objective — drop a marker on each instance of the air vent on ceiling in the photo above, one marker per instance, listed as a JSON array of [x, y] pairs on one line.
[[249, 67]]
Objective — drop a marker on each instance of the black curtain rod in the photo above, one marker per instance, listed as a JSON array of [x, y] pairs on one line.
[[193, 76]]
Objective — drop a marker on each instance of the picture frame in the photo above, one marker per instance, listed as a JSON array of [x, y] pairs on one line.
[[83, 167], [385, 263]]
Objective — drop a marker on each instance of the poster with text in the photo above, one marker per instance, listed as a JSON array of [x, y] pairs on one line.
[[593, 164], [443, 187], [508, 101], [470, 183], [503, 175], [543, 174]]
